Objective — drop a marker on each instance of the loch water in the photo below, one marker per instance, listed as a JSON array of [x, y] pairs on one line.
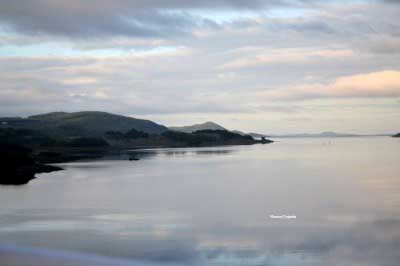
[[316, 201]]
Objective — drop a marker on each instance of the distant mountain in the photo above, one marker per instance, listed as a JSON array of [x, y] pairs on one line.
[[326, 134], [396, 135], [88, 123], [196, 127]]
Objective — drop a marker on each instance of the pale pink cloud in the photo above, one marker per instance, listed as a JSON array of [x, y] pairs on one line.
[[376, 84]]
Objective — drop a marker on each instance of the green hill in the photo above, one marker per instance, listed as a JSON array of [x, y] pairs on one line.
[[89, 123]]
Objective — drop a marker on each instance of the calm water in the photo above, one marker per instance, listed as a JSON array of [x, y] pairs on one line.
[[212, 206]]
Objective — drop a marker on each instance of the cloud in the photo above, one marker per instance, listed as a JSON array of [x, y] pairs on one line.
[[384, 44], [196, 57], [86, 21], [146, 19], [138, 18], [392, 1], [167, 82], [377, 84], [259, 56]]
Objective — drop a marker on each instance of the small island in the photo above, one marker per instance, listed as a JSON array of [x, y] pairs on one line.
[[396, 135], [29, 145]]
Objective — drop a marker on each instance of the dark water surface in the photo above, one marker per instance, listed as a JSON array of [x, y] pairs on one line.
[[212, 206]]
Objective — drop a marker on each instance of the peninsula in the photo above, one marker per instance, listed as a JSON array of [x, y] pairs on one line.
[[27, 145]]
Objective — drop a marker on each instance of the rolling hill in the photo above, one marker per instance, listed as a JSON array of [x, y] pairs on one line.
[[203, 126], [88, 123]]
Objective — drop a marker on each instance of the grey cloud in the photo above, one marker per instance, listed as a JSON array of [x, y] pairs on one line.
[[117, 18], [314, 26], [58, 22], [119, 24]]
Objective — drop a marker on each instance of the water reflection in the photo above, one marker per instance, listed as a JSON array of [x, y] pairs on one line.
[[194, 207], [187, 151], [149, 239], [177, 152]]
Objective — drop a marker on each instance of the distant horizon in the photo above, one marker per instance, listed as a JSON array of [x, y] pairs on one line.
[[221, 124]]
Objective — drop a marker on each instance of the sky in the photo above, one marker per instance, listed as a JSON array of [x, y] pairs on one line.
[[272, 67]]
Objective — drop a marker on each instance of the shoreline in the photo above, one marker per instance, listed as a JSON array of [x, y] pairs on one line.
[[23, 164]]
